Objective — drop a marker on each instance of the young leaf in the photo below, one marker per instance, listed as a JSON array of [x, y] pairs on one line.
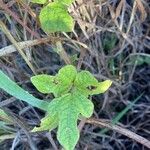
[[55, 18], [65, 78], [101, 87], [66, 75], [68, 133], [54, 105], [49, 122], [84, 82], [85, 79], [39, 1], [66, 109], [70, 106], [58, 85], [44, 83]]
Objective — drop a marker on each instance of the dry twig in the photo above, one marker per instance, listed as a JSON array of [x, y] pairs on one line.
[[119, 129]]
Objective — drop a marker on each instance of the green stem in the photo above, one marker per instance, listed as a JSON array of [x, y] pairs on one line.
[[62, 52]]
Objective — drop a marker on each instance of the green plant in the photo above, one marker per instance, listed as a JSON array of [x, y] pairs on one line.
[[54, 17], [71, 90]]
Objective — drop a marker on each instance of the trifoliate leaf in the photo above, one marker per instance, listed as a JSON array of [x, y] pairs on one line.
[[55, 18], [72, 90], [44, 83], [39, 1], [49, 122], [101, 87]]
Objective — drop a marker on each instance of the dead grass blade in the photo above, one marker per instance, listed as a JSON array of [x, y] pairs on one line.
[[141, 8], [16, 17], [25, 44], [13, 41], [119, 8]]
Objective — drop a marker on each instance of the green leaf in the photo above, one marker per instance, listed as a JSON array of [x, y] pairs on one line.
[[44, 83], [65, 2], [101, 87], [85, 79], [39, 1], [55, 18], [68, 133], [13, 89], [84, 105], [66, 109], [60, 84], [66, 75], [49, 122], [54, 105], [65, 79]]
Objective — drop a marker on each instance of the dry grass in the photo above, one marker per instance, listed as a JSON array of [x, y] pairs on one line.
[[110, 39]]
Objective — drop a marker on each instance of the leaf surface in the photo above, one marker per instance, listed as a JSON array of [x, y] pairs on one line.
[[68, 133], [83, 104], [49, 122], [44, 83], [66, 75], [55, 18], [85, 79], [101, 87]]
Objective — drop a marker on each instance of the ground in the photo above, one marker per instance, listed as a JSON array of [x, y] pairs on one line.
[[110, 39]]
